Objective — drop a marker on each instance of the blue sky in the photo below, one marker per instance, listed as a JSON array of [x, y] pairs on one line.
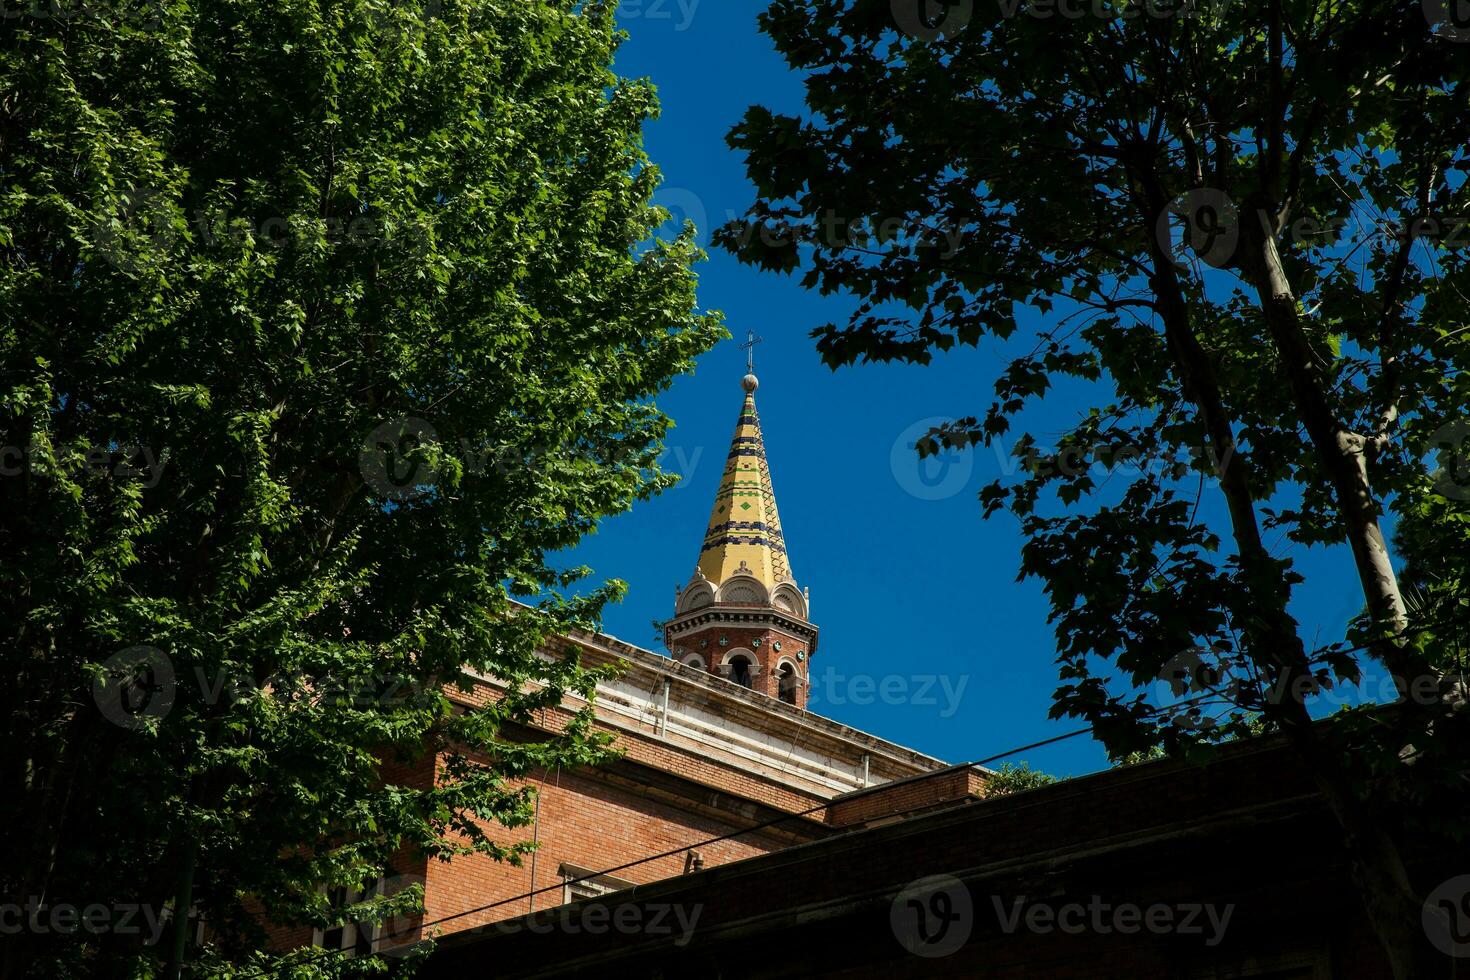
[[927, 638]]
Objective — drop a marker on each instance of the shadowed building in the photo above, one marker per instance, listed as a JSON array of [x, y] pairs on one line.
[[720, 761], [1160, 871], [740, 835]]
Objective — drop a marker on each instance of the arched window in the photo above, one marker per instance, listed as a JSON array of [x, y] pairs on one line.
[[740, 671], [786, 679]]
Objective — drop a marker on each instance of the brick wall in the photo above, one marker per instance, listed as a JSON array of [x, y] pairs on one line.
[[761, 642], [907, 797], [661, 796], [1247, 831], [590, 824]]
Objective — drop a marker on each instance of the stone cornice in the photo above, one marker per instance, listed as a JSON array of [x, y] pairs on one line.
[[739, 706], [743, 615]]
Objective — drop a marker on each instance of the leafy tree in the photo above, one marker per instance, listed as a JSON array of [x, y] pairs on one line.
[[322, 328], [1150, 754], [1240, 224], [1433, 532], [1016, 777]]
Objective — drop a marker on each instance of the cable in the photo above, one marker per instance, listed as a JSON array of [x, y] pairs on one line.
[[325, 953], [788, 816], [733, 834]]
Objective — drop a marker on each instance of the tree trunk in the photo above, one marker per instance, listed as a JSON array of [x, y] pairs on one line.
[[1378, 869], [1393, 906], [1342, 454], [183, 901]]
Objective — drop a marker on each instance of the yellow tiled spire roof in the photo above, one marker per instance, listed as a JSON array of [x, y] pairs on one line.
[[744, 527]]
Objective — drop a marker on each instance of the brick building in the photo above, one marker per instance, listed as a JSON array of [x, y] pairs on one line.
[[1161, 871], [720, 762], [740, 835]]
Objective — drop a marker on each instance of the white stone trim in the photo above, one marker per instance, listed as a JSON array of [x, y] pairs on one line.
[[796, 602], [730, 725], [760, 595], [696, 596], [841, 744], [589, 882], [741, 652]]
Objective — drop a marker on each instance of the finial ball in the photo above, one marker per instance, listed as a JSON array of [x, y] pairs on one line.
[[750, 383]]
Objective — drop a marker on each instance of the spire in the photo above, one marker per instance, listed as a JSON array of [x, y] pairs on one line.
[[744, 527], [741, 617]]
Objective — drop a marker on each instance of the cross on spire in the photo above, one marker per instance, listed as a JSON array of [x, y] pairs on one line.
[[749, 348]]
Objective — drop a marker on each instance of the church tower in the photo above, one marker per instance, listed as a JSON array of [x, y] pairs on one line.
[[742, 616]]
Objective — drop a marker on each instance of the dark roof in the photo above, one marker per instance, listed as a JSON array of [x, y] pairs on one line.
[[1158, 829]]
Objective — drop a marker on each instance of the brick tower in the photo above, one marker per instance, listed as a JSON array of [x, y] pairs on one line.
[[742, 616]]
